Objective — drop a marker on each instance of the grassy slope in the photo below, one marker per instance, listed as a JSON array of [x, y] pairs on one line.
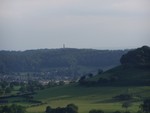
[[126, 76], [87, 98]]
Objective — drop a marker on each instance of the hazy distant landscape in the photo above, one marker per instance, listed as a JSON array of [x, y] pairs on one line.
[[121, 88], [74, 56], [60, 63]]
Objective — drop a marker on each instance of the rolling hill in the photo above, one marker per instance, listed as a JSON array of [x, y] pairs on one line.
[[134, 70], [131, 78], [128, 78], [61, 62]]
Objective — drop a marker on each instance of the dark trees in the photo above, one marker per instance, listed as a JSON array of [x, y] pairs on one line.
[[139, 57], [123, 97], [117, 112], [82, 80], [12, 109], [70, 108], [145, 107], [48, 109], [126, 105], [43, 59], [90, 75], [100, 71], [96, 111]]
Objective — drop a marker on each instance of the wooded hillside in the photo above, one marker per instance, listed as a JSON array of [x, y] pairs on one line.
[[75, 61]]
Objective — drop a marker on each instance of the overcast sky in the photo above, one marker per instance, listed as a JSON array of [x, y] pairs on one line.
[[100, 24]]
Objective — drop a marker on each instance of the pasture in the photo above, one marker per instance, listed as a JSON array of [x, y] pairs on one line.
[[87, 98]]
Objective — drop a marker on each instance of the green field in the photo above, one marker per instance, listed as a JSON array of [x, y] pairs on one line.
[[87, 98]]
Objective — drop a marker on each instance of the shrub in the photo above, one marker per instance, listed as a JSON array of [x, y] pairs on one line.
[[117, 112], [96, 111]]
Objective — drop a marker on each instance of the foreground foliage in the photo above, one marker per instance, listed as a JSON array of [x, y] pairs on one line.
[[12, 109], [70, 108], [145, 107]]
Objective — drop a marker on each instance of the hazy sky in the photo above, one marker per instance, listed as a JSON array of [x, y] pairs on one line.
[[102, 24]]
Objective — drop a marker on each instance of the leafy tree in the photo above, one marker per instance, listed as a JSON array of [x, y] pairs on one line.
[[123, 97], [48, 109], [1, 91], [126, 105], [139, 111], [61, 83], [52, 84], [117, 112], [90, 75], [12, 85], [113, 79], [4, 84], [72, 108], [12, 109], [82, 80], [30, 88], [8, 90], [100, 71], [23, 89], [145, 107], [96, 111], [5, 109], [127, 112], [103, 80]]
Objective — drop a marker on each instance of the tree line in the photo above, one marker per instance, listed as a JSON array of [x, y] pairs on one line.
[[12, 109], [45, 59], [138, 58], [72, 108]]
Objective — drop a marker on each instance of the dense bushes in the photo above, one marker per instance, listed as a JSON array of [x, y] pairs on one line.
[[145, 106], [100, 82], [12, 109], [122, 97], [96, 111], [70, 108]]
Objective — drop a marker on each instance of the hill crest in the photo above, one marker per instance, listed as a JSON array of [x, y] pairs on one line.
[[66, 62], [134, 70]]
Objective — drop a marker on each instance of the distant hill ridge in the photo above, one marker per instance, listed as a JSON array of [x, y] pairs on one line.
[[134, 70], [74, 61]]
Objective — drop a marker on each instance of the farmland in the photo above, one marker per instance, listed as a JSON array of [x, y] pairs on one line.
[[87, 98]]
